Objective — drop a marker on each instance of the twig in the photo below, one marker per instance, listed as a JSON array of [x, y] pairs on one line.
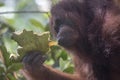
[[22, 12]]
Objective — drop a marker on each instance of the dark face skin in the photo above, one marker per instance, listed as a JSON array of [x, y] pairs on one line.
[[67, 37], [66, 32]]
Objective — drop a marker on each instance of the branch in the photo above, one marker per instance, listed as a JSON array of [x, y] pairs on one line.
[[19, 12]]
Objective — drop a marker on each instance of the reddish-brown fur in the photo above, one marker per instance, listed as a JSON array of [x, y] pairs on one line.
[[90, 31]]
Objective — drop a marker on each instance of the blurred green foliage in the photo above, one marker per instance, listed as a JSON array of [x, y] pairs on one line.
[[37, 22]]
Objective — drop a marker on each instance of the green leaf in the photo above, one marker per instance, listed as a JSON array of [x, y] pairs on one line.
[[30, 41], [49, 62], [10, 76], [21, 4], [69, 70], [37, 24], [2, 67], [63, 55], [6, 56], [3, 30], [2, 71], [66, 65], [63, 64], [10, 45], [1, 4], [14, 67]]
